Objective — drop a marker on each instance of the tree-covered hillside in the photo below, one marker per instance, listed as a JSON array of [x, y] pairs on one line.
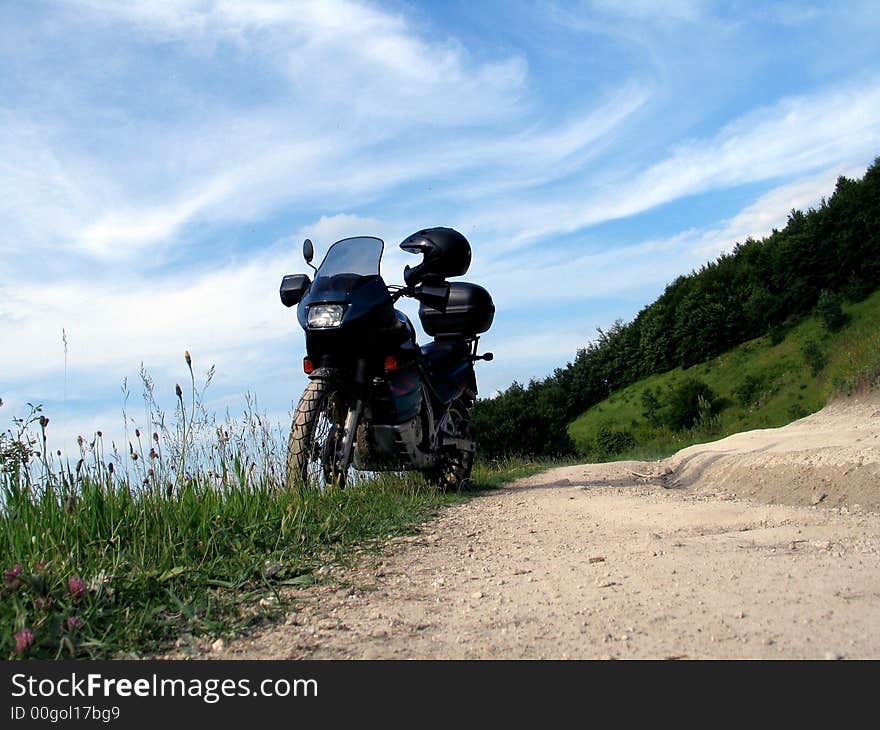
[[822, 257]]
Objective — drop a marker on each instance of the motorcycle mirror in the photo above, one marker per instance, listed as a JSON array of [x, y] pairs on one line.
[[294, 288], [308, 251]]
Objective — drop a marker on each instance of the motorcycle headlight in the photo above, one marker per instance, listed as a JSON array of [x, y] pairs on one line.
[[322, 316]]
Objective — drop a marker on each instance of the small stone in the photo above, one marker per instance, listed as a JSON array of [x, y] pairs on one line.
[[478, 594], [272, 570], [598, 559], [218, 645]]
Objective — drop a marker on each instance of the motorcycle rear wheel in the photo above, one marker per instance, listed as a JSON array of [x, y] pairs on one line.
[[315, 436], [453, 472]]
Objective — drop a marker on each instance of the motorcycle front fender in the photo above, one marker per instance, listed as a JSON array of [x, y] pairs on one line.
[[324, 374]]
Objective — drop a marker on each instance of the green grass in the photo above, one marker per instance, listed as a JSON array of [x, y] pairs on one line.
[[785, 386], [119, 555], [137, 569]]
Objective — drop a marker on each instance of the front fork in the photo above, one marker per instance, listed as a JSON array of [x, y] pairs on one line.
[[350, 433], [354, 414]]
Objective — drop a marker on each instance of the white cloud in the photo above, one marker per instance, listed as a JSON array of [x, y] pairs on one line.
[[771, 211], [795, 136], [113, 325], [525, 279], [328, 229], [149, 127], [647, 10], [541, 347], [338, 81]]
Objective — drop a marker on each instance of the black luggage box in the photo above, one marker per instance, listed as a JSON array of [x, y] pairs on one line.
[[469, 312]]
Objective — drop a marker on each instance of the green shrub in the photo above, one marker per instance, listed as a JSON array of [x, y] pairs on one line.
[[777, 332], [683, 410], [814, 356], [610, 442], [830, 310], [652, 407], [748, 389]]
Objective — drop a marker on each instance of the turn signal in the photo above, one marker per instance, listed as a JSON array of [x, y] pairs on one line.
[[391, 363], [308, 366]]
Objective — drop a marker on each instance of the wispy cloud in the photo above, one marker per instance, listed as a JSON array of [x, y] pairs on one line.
[[795, 136], [339, 78], [151, 152], [523, 280]]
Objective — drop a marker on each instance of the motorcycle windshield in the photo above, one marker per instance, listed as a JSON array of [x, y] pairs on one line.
[[359, 256]]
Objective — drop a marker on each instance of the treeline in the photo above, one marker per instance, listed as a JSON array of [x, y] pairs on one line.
[[761, 287]]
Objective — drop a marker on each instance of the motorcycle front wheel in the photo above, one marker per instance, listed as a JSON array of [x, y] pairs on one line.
[[313, 449]]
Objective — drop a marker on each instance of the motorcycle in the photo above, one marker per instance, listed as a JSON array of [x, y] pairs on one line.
[[376, 401]]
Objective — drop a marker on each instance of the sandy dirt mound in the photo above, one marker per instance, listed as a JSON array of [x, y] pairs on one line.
[[725, 550], [832, 456]]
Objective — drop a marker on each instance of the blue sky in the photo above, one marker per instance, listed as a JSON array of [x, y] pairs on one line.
[[161, 162]]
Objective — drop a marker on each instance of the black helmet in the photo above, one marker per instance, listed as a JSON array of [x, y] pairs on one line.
[[446, 253]]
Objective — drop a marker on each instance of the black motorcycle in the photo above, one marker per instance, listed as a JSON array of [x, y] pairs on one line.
[[376, 401]]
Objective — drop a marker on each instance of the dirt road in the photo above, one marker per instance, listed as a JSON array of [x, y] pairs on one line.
[[762, 545]]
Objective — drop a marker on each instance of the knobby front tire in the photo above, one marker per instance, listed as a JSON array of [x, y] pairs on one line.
[[315, 435]]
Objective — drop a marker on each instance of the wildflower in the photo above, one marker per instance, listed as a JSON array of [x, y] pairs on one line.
[[137, 432], [76, 586], [100, 435], [101, 582], [73, 623], [154, 454], [179, 391], [23, 640], [187, 358], [43, 422], [41, 603], [80, 440], [155, 437], [10, 576], [110, 467]]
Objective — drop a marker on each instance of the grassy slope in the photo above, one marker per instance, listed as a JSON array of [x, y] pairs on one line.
[[788, 390]]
